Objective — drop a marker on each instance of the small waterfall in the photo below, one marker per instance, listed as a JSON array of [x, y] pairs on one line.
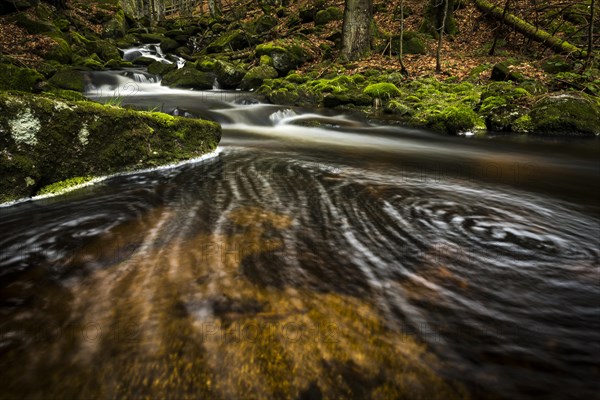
[[152, 51], [280, 116], [216, 85]]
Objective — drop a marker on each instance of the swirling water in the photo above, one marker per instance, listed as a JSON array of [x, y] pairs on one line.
[[481, 254]]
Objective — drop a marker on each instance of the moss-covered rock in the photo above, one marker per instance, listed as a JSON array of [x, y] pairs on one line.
[[286, 56], [264, 24], [383, 90], [502, 72], [60, 51], [566, 114], [69, 79], [116, 27], [412, 43], [34, 25], [144, 61], [322, 17], [160, 68], [456, 120], [228, 75], [45, 140], [189, 77], [257, 75], [229, 41], [15, 78], [105, 49]]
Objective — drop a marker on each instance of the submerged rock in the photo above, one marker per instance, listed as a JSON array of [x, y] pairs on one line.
[[46, 140]]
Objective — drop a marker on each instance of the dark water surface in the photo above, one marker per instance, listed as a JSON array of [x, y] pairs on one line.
[[345, 260]]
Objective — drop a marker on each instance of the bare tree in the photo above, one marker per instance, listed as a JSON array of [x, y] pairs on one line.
[[403, 69], [442, 28]]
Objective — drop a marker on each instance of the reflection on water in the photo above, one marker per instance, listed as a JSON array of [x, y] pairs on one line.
[[339, 260]]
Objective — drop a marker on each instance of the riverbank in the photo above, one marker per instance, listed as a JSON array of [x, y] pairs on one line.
[[285, 58], [291, 60]]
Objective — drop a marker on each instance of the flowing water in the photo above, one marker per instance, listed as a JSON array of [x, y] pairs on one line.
[[315, 254]]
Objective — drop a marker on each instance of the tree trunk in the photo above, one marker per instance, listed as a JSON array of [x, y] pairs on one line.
[[403, 69], [438, 61], [356, 32], [539, 35], [590, 44], [437, 13]]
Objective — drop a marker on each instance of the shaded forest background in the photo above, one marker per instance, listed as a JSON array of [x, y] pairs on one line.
[[474, 40]]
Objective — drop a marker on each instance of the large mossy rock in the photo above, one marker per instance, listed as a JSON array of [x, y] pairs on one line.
[[412, 43], [116, 27], [566, 114], [68, 79], [229, 41], [229, 75], [34, 25], [189, 77], [161, 68], [257, 75], [286, 56], [60, 51], [47, 140], [15, 78]]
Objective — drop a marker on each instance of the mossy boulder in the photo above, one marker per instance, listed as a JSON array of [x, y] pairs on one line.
[[34, 25], [60, 51], [286, 56], [161, 68], [566, 114], [168, 45], [69, 79], [382, 90], [15, 78], [188, 77], [412, 43], [228, 75], [257, 75], [322, 17], [229, 41], [264, 24], [45, 140], [143, 61], [456, 120], [105, 49], [500, 112], [116, 27], [502, 72]]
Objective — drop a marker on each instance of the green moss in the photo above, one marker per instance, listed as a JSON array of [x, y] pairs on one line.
[[229, 41], [34, 25], [456, 120], [491, 103], [255, 77], [69, 78], [160, 68], [383, 90], [523, 124], [58, 139], [61, 51], [566, 114], [266, 60], [63, 186], [188, 77], [15, 78]]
